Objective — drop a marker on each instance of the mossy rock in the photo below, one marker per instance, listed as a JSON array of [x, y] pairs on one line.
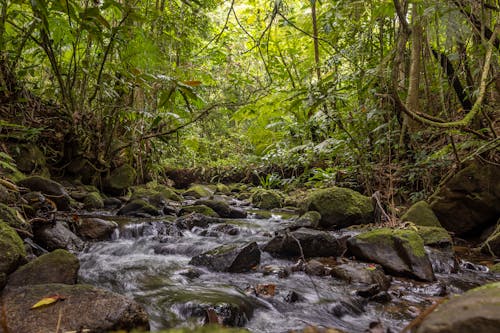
[[120, 179], [50, 189], [6, 196], [222, 188], [401, 252], [168, 193], [201, 209], [267, 199], [93, 200], [59, 266], [13, 218], [495, 268], [421, 213], [308, 220], [476, 311], [29, 158], [435, 236], [340, 207], [12, 251], [139, 207], [198, 191]]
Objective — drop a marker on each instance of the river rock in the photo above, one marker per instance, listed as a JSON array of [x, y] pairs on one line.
[[58, 266], [421, 213], [55, 236], [401, 252], [313, 243], [139, 208], [198, 192], [475, 311], [267, 199], [435, 237], [307, 220], [93, 200], [96, 229], [229, 258], [469, 202], [29, 158], [368, 274], [199, 209], [340, 207], [12, 251], [120, 179], [50, 189], [195, 220], [223, 209], [84, 307], [13, 218]]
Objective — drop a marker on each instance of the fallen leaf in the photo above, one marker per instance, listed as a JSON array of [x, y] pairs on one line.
[[47, 301], [371, 267], [192, 83], [265, 289]]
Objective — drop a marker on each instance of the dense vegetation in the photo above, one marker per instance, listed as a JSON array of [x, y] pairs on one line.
[[379, 95]]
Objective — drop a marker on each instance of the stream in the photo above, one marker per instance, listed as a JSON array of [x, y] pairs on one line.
[[147, 259]]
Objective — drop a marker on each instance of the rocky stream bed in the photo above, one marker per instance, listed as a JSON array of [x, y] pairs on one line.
[[161, 258]]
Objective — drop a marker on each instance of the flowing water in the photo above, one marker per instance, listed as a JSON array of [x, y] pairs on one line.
[[147, 259]]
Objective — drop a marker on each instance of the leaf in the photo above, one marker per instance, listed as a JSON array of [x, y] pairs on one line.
[[47, 301], [265, 289], [371, 267], [192, 83]]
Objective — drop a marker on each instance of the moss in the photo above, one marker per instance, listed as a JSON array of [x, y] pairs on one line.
[[495, 268], [198, 191], [340, 207], [267, 199], [93, 200], [12, 251], [434, 235], [11, 217], [421, 214], [121, 178], [410, 239], [202, 209], [222, 188]]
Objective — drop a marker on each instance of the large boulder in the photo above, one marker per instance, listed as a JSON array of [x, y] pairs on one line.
[[267, 199], [139, 208], [12, 251], [29, 158], [195, 220], [475, 311], [229, 258], [93, 200], [421, 213], [198, 192], [368, 274], [401, 252], [223, 208], [306, 242], [199, 209], [55, 236], [84, 307], [50, 189], [96, 229], [58, 266], [340, 207], [470, 201], [435, 237], [120, 179]]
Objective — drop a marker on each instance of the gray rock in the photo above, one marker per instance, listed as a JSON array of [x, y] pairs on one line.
[[421, 213], [369, 274], [223, 209], [475, 311], [229, 258], [313, 243], [59, 266], [50, 189], [83, 307], [140, 208], [196, 220], [57, 236], [401, 252], [96, 229]]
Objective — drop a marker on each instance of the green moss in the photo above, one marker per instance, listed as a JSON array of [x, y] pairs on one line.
[[11, 217], [495, 268], [409, 239], [222, 188], [202, 209], [421, 214], [12, 251], [198, 191], [489, 286], [434, 235], [93, 200], [267, 199], [122, 178]]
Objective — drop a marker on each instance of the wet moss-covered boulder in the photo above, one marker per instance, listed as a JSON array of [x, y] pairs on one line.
[[58, 266], [50, 189], [198, 191], [435, 237], [313, 243], [120, 179], [93, 228], [196, 220], [55, 236], [200, 209], [340, 207], [229, 258], [421, 213], [29, 158], [139, 208], [84, 306], [362, 273], [13, 218], [267, 199], [93, 200], [475, 311], [222, 189], [401, 252], [12, 251], [469, 202], [223, 209], [307, 220]]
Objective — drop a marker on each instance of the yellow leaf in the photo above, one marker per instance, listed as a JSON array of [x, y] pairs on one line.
[[192, 83], [47, 300]]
